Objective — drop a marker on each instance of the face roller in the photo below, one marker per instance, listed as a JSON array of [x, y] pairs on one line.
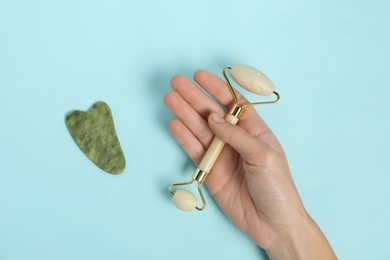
[[250, 79]]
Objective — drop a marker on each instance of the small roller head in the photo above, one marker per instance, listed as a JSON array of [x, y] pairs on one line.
[[252, 80], [184, 200]]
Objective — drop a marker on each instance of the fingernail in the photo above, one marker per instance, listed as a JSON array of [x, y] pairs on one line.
[[217, 118]]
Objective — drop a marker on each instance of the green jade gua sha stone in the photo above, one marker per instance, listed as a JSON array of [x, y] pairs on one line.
[[94, 133]]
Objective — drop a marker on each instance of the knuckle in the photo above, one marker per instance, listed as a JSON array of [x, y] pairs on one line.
[[234, 133], [205, 136], [267, 157], [197, 155]]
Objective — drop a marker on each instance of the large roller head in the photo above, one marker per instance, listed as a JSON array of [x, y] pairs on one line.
[[252, 80]]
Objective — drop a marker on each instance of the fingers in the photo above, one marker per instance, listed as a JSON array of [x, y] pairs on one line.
[[192, 106], [195, 97], [191, 118], [218, 88], [238, 138], [187, 140]]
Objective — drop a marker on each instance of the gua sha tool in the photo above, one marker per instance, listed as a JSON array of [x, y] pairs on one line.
[[250, 79], [94, 133]]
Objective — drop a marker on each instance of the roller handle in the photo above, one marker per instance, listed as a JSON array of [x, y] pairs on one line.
[[215, 148]]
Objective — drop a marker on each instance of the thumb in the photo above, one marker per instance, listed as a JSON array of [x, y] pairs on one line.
[[236, 136]]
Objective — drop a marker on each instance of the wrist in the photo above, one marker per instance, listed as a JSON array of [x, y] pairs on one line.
[[303, 240]]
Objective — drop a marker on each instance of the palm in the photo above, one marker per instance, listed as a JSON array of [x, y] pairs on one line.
[[228, 183], [232, 194]]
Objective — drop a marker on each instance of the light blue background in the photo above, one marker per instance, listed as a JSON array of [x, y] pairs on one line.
[[330, 61]]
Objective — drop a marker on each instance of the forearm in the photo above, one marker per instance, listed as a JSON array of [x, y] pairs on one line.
[[304, 241]]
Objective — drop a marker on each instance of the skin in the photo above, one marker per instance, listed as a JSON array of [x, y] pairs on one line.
[[251, 180]]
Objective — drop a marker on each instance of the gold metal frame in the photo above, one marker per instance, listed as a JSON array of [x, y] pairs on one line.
[[246, 103], [199, 175], [188, 183]]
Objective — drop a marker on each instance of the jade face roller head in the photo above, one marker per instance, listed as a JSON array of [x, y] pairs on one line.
[[250, 79]]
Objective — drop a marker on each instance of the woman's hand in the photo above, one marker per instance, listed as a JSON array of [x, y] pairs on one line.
[[251, 180]]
